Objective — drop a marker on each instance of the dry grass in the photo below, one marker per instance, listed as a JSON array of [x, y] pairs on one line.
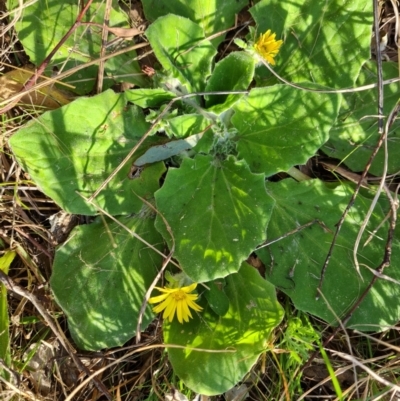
[[366, 367]]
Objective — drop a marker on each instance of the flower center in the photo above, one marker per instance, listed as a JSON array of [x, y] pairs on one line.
[[179, 295]]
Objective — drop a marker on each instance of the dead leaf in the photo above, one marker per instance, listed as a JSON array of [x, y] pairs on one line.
[[48, 98]]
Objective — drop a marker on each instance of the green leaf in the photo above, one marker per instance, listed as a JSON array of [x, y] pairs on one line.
[[186, 125], [354, 136], [235, 72], [217, 298], [146, 98], [100, 276], [72, 150], [217, 210], [253, 313], [298, 258], [279, 126], [45, 22], [325, 42], [180, 46], [212, 15], [5, 262]]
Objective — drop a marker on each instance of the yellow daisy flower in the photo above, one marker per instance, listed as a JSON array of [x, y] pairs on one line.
[[267, 47], [176, 299]]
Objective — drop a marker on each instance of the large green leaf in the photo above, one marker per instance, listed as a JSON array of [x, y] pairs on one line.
[[240, 335], [100, 276], [234, 72], [298, 259], [279, 126], [354, 136], [72, 150], [212, 15], [325, 41], [217, 210], [45, 22], [181, 48]]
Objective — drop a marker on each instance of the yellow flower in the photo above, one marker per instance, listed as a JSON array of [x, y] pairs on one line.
[[267, 47], [176, 299]]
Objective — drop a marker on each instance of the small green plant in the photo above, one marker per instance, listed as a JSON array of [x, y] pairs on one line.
[[5, 262], [216, 141]]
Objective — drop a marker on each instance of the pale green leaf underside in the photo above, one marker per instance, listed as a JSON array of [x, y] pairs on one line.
[[100, 277], [217, 210], [298, 259], [325, 41], [253, 313], [280, 126], [72, 150], [167, 150]]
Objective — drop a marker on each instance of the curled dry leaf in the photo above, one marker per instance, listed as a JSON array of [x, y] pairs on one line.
[[48, 97]]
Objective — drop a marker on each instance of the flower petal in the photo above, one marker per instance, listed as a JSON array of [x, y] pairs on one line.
[[189, 288], [179, 311], [158, 298], [267, 46], [178, 300], [170, 309], [186, 311], [194, 306], [161, 307]]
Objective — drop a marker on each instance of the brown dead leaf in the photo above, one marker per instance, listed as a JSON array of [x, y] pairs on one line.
[[49, 97]]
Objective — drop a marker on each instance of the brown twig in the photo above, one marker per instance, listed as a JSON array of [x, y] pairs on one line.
[[104, 37], [294, 231]]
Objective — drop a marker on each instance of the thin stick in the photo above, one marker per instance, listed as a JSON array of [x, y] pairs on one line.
[[346, 90], [104, 38], [159, 274], [368, 370], [296, 230]]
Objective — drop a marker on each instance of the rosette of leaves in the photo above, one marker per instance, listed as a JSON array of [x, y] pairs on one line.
[[219, 150]]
